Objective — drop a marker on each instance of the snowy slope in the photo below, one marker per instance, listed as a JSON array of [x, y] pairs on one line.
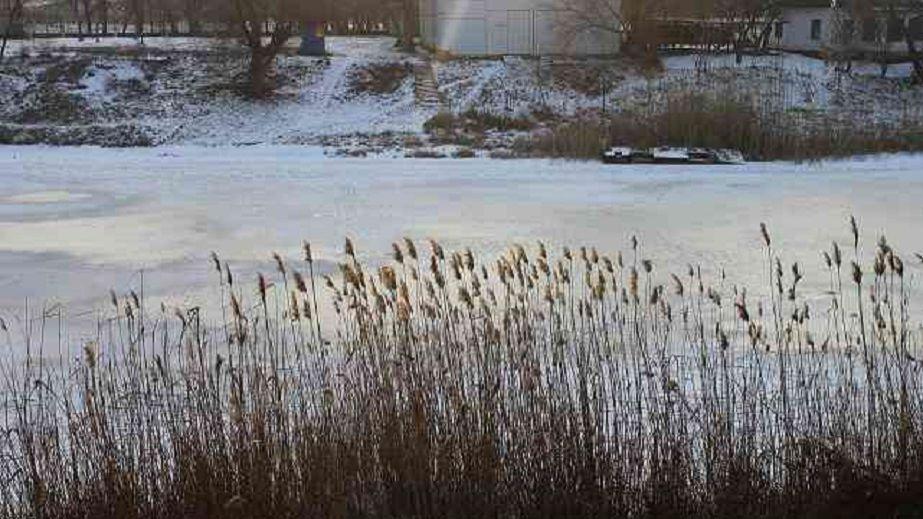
[[518, 86], [190, 96], [186, 90]]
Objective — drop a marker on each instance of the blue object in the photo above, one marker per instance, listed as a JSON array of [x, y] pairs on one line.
[[313, 40]]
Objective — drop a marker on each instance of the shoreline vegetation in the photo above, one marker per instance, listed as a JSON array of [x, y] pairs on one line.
[[363, 101], [534, 384], [760, 131]]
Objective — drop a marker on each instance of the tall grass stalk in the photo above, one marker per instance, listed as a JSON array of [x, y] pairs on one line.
[[530, 385]]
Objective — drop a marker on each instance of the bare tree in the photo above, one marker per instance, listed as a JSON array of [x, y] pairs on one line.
[[843, 35], [265, 26], [607, 18], [87, 7], [194, 11], [12, 17], [751, 20], [409, 9], [894, 21], [136, 11], [912, 31], [103, 16], [647, 24], [399, 15]]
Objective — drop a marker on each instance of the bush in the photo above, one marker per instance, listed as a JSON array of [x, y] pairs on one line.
[[441, 121], [475, 121]]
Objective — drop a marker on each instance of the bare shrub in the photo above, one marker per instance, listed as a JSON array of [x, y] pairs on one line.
[[477, 121]]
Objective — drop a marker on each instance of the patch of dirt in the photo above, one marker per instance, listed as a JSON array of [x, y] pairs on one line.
[[380, 78], [230, 75], [589, 79], [68, 72]]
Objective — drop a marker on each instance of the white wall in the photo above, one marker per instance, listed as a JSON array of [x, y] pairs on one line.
[[796, 29], [504, 27], [796, 35]]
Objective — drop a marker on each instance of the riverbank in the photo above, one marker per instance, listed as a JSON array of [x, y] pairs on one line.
[[363, 101]]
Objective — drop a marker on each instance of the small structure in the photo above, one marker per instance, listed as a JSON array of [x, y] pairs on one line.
[[671, 155], [313, 39], [511, 27], [804, 25]]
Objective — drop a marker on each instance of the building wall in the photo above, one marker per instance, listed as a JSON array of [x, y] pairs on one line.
[[505, 27], [796, 29], [797, 33]]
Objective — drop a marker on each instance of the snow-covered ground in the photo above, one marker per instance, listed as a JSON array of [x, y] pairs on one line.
[[318, 107], [182, 91], [184, 44], [75, 222], [793, 81]]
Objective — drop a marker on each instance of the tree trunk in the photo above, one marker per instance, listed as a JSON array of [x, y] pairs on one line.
[[88, 13], [6, 37], [104, 12], [409, 25], [193, 11], [138, 13], [12, 20], [260, 66], [915, 58]]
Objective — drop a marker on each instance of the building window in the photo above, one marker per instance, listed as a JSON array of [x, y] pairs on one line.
[[780, 28], [869, 30], [815, 29]]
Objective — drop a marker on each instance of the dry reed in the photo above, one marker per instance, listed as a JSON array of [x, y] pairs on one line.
[[532, 385]]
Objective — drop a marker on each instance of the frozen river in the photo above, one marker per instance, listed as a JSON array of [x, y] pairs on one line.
[[75, 222]]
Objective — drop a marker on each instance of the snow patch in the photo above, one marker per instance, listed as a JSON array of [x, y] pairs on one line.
[[100, 79]]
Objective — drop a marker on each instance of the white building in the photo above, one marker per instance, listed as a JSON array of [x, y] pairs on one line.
[[805, 25], [511, 27], [819, 26]]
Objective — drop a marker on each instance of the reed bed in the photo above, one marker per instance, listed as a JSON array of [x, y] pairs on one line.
[[535, 384], [696, 120], [722, 108]]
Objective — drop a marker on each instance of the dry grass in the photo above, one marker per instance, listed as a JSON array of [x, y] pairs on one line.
[[728, 121], [533, 385], [587, 77], [475, 121], [379, 78]]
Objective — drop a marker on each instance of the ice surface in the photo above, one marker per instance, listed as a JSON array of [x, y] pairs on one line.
[[75, 222]]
